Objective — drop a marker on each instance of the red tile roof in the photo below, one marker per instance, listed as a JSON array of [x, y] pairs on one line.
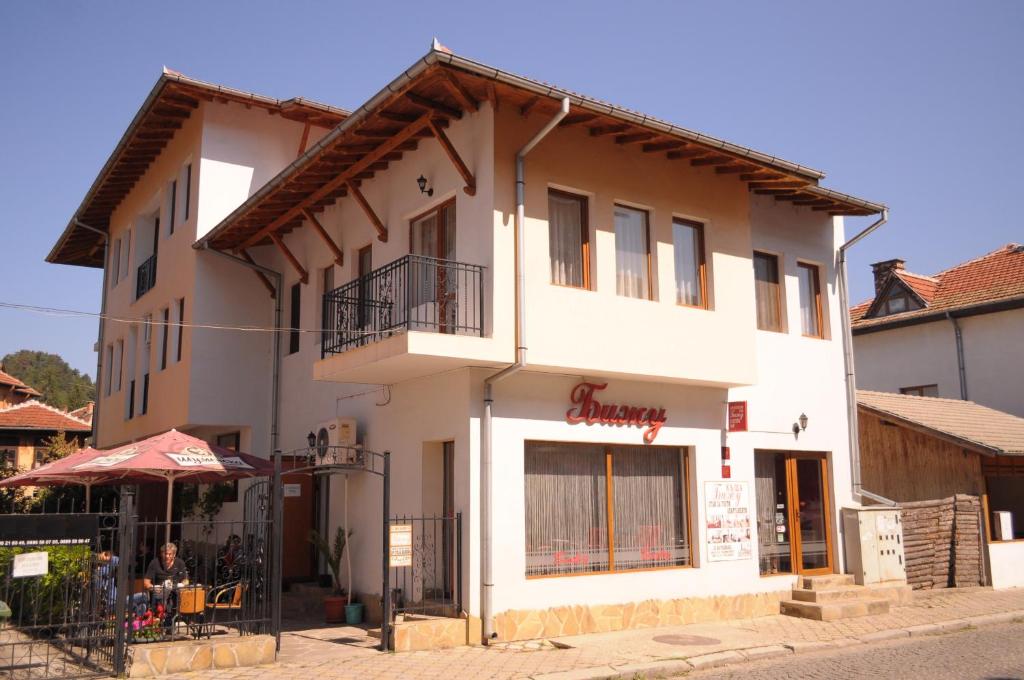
[[8, 379], [997, 276], [35, 415]]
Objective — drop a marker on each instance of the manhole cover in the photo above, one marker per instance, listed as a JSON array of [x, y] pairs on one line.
[[686, 640]]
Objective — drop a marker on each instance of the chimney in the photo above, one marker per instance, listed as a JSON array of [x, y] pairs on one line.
[[881, 271]]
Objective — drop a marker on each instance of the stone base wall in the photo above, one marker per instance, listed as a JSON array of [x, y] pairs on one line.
[[529, 624], [421, 634], [171, 658]]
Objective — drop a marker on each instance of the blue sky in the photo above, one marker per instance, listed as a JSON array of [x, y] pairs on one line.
[[914, 104]]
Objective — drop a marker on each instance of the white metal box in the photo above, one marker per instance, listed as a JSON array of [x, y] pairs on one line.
[[1002, 525], [874, 544]]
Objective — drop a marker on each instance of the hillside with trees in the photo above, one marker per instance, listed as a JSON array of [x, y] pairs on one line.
[[61, 385]]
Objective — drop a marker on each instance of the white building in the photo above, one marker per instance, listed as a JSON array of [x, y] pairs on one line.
[[665, 275]]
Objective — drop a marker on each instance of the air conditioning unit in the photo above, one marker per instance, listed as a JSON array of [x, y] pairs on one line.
[[337, 443]]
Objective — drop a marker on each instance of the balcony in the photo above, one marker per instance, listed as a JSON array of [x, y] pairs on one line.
[[145, 278], [411, 317]]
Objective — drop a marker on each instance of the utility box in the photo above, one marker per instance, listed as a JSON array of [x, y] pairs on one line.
[[874, 544], [1002, 525]]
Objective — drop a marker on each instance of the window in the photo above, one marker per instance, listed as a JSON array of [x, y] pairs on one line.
[[147, 329], [231, 440], [181, 328], [108, 361], [326, 286], [810, 300], [145, 395], [8, 458], [115, 263], [188, 191], [921, 390], [126, 251], [120, 365], [172, 207], [295, 318], [579, 494], [1004, 493], [767, 292], [568, 239], [898, 301], [691, 277], [632, 253], [164, 330]]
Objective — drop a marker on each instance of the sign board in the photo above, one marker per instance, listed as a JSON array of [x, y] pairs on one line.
[[193, 456], [400, 545], [737, 416], [32, 530], [31, 564], [292, 490], [727, 519], [587, 409]]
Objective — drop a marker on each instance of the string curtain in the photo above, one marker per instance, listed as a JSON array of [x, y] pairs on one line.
[[631, 253]]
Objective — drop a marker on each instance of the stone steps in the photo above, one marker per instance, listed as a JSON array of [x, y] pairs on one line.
[[837, 596], [832, 611]]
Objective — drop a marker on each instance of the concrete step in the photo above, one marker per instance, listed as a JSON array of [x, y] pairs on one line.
[[307, 589], [826, 582], [896, 592], [836, 594], [832, 611]]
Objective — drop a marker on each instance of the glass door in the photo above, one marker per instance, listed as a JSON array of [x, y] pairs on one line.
[[793, 513], [434, 287]]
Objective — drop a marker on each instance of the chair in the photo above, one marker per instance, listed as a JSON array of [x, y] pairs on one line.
[[226, 598], [192, 610]]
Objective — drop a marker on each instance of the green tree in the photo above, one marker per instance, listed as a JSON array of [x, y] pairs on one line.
[[61, 385]]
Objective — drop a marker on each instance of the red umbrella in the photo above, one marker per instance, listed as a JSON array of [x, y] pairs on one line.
[[61, 471]]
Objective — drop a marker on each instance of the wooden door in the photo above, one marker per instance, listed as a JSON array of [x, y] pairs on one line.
[[298, 554]]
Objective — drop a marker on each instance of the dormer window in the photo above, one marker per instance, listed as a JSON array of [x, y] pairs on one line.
[[897, 302]]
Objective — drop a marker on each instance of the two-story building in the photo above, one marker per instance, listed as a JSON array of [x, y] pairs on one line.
[[613, 344]]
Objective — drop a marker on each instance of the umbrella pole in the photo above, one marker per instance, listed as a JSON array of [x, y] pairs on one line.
[[88, 497], [170, 500]]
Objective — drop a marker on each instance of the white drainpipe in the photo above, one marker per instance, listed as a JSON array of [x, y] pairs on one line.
[[486, 472]]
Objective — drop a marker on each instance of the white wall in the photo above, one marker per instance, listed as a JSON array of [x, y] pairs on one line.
[[1005, 560]]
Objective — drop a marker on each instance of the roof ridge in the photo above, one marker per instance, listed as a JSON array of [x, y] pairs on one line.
[[900, 395], [36, 402], [904, 272]]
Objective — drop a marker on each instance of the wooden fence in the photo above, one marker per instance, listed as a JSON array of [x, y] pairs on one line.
[[942, 542]]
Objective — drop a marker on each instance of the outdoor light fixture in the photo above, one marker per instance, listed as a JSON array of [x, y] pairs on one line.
[[311, 438], [422, 181], [800, 425]]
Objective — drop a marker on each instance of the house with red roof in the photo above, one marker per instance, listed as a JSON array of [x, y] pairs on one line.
[[27, 423], [14, 391], [956, 334]]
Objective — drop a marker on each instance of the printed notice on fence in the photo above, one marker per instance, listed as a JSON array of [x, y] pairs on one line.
[[400, 545], [30, 564], [728, 521]]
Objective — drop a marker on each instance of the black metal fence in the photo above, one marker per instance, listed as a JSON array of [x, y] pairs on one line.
[[431, 581], [145, 277], [414, 292]]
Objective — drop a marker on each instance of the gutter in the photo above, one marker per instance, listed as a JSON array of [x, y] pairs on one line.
[[851, 387], [100, 333], [486, 432], [275, 390], [962, 370]]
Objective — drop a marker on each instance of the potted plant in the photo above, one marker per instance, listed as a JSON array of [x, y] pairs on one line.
[[335, 604]]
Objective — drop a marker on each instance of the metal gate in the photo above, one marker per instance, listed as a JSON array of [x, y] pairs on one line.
[[59, 579], [426, 577]]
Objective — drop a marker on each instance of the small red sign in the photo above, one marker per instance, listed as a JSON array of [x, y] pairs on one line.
[[737, 416]]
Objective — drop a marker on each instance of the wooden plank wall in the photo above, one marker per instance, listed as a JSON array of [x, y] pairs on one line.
[[942, 543], [907, 466]]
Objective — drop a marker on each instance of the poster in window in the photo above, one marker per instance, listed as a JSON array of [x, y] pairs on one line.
[[727, 516]]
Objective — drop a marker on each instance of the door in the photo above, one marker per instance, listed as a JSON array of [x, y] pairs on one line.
[[794, 513], [364, 264], [298, 556], [448, 512], [434, 283]]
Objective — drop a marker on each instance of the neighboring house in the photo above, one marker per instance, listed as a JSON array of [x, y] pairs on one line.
[[956, 334], [664, 274], [14, 391], [916, 449], [84, 413], [25, 427]]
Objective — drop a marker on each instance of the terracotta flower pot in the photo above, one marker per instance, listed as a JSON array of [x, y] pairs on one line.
[[334, 608]]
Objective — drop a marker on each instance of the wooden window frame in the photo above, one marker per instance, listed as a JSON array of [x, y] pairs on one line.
[[778, 292], [181, 329], [816, 278], [294, 317], [437, 211], [188, 192], [173, 207], [702, 268], [684, 462], [165, 315], [584, 236], [647, 225]]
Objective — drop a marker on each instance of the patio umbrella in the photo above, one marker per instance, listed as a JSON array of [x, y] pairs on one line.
[[60, 472]]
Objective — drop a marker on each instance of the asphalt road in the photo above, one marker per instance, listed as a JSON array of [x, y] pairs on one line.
[[991, 653]]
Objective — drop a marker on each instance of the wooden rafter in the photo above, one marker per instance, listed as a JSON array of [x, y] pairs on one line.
[[303, 274], [634, 137], [433, 105], [576, 119], [525, 109], [686, 153], [343, 178], [339, 256], [304, 140], [463, 96], [777, 185], [263, 277], [711, 160], [601, 130], [662, 146], [453, 156], [382, 231]]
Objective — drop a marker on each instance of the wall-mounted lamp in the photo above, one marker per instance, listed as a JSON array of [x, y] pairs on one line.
[[422, 182], [800, 425]]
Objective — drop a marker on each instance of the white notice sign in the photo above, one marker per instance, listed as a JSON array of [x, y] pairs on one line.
[[292, 490], [30, 564], [727, 519], [400, 545]]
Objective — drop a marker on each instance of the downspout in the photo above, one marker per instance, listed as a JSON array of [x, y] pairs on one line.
[[959, 355], [486, 472], [99, 334], [851, 387], [275, 276]]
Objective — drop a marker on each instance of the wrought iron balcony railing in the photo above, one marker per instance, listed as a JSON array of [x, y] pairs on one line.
[[414, 292], [145, 277]]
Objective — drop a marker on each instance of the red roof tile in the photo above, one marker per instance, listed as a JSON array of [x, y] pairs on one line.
[[999, 275], [34, 415], [8, 379]]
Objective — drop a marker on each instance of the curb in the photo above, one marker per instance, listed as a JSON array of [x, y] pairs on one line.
[[675, 667]]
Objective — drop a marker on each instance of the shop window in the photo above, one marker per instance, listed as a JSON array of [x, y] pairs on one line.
[[767, 292], [921, 390], [810, 300], [1004, 493], [568, 239], [691, 278], [578, 495], [632, 253]]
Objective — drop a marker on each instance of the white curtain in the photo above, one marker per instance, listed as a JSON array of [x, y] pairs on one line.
[[648, 507], [631, 251], [809, 300], [686, 239], [565, 225], [766, 292]]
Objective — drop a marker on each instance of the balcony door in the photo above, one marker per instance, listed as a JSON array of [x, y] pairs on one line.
[[793, 513], [433, 288]]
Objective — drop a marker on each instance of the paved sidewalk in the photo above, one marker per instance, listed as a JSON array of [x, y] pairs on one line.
[[652, 652]]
